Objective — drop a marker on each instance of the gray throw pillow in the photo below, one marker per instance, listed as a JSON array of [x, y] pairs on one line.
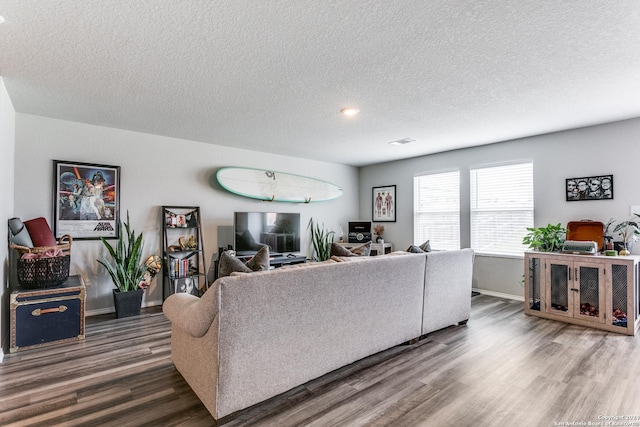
[[362, 250], [260, 261], [229, 263], [338, 250], [426, 246], [415, 249]]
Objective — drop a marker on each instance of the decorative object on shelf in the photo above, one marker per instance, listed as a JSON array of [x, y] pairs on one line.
[[545, 239], [384, 203], [321, 240], [188, 243], [127, 270], [275, 186], [589, 188], [86, 200], [627, 230], [378, 230], [183, 254]]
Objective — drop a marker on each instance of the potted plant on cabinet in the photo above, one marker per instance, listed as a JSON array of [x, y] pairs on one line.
[[546, 239], [627, 230], [129, 274]]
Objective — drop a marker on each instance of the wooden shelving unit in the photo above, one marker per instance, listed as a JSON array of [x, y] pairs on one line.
[[183, 251]]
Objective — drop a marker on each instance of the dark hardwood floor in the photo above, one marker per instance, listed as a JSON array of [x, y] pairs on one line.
[[502, 369]]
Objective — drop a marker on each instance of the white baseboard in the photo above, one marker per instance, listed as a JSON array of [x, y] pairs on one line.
[[499, 294], [108, 310]]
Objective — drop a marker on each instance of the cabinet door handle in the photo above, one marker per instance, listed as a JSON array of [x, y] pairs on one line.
[[40, 311], [569, 273], [575, 290]]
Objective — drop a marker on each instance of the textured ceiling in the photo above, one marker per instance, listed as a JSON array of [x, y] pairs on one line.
[[272, 75]]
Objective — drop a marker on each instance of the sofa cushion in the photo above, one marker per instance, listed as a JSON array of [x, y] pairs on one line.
[[231, 264], [362, 250]]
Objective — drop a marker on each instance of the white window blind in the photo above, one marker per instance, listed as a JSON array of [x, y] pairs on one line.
[[436, 210], [501, 208]]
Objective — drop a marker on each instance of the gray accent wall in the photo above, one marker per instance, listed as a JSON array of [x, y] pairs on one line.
[[156, 171], [612, 148]]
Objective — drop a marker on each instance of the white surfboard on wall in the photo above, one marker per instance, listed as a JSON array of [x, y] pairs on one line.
[[262, 184]]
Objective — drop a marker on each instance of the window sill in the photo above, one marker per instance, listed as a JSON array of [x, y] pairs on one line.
[[493, 255]]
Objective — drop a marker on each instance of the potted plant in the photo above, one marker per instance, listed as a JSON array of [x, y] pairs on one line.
[[127, 270], [627, 230], [378, 230], [546, 239], [321, 240]]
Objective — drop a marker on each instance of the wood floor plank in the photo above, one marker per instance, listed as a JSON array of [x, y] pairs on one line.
[[502, 368]]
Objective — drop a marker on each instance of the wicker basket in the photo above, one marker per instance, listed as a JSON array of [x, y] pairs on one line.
[[40, 273]]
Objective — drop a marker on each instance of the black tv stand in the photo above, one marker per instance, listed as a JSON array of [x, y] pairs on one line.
[[280, 261]]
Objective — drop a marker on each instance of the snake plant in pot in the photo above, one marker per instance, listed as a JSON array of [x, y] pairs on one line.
[[127, 270], [321, 240]]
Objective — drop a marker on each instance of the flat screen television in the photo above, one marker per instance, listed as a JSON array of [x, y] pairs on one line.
[[278, 230]]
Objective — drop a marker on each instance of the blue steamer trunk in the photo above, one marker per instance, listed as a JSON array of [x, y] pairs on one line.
[[47, 316]]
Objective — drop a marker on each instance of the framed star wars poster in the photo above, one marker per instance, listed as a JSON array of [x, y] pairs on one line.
[[86, 200]]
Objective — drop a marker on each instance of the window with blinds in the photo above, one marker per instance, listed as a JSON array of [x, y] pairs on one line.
[[436, 210], [501, 208]]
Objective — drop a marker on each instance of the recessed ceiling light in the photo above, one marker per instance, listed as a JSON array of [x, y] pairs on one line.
[[402, 141], [350, 111], [1, 19]]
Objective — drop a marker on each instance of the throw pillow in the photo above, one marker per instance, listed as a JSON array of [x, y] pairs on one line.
[[40, 232], [362, 250], [426, 246], [229, 263], [260, 261], [338, 250], [415, 249]]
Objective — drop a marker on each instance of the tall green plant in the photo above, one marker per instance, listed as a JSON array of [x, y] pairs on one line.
[[321, 240], [546, 239], [125, 267]]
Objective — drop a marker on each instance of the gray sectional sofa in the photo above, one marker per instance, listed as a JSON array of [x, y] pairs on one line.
[[254, 336]]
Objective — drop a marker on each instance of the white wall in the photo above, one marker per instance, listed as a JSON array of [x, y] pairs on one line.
[[156, 171], [599, 150], [7, 147]]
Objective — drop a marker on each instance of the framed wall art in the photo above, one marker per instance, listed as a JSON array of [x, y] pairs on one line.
[[589, 188], [86, 200], [384, 203]]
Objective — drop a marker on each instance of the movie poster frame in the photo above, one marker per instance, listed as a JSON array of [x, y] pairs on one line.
[[81, 221]]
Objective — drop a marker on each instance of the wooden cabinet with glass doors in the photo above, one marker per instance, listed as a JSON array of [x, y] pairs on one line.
[[589, 290]]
